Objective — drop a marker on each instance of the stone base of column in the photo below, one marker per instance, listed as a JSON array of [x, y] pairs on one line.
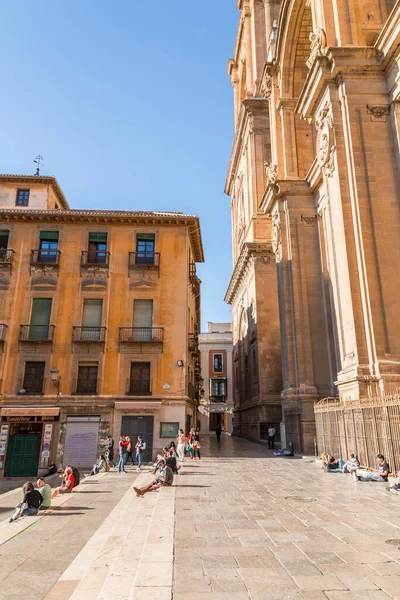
[[299, 422]]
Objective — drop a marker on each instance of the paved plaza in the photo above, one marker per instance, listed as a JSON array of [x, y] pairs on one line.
[[239, 524]]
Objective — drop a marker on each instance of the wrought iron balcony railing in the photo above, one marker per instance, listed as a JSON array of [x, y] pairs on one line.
[[138, 387], [191, 391], [95, 258], [36, 333], [89, 334], [142, 260], [85, 387], [140, 335], [218, 399], [45, 257], [31, 386], [192, 272], [3, 332], [6, 256], [193, 343]]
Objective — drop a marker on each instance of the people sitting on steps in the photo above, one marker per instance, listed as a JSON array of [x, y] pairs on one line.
[[30, 503], [165, 477]]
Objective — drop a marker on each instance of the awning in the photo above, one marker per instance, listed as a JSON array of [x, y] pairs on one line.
[[29, 412], [135, 405]]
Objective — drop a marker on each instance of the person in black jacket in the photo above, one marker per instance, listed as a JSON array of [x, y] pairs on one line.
[[29, 505], [110, 451]]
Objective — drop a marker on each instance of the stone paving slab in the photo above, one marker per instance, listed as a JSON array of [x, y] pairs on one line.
[[32, 561], [239, 524]]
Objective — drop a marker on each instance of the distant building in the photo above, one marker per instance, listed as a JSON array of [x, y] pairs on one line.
[[216, 405], [98, 311]]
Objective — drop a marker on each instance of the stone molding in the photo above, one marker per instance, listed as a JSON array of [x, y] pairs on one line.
[[325, 140], [317, 46], [378, 113], [249, 251]]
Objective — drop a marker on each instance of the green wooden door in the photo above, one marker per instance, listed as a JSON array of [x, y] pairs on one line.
[[23, 455]]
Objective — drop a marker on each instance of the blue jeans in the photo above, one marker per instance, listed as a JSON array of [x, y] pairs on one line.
[[371, 477], [139, 459], [121, 464], [29, 512], [339, 469]]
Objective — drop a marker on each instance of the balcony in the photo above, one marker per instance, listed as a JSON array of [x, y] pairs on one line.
[[217, 399], [192, 273], [141, 335], [6, 257], [138, 387], [193, 343], [144, 260], [85, 387], [31, 386], [95, 258], [93, 335], [36, 333], [191, 391], [45, 257]]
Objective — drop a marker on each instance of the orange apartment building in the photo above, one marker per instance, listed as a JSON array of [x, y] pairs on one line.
[[99, 311]]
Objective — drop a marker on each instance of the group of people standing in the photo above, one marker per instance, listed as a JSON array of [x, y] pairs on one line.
[[125, 451]]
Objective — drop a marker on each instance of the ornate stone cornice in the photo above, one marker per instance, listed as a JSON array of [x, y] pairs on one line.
[[250, 108], [249, 251], [346, 61], [389, 38], [110, 217]]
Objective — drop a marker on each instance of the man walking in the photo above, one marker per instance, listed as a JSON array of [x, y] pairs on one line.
[[218, 431], [122, 446], [140, 448], [271, 437], [110, 451]]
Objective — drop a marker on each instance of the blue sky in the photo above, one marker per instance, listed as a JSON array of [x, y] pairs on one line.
[[130, 105]]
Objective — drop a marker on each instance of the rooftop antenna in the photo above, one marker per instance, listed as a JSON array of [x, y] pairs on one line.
[[38, 160]]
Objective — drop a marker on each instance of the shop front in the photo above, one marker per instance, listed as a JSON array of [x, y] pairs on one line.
[[26, 438], [157, 421]]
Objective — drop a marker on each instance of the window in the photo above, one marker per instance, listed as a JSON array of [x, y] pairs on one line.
[[22, 198], [218, 389], [145, 249], [97, 251], [33, 377], [142, 320], [87, 379], [91, 320], [140, 378], [254, 363], [40, 319], [4, 239], [4, 255], [48, 247], [217, 363]]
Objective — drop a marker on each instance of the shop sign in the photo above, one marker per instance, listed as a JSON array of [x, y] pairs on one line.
[[29, 412], [46, 441], [17, 419], [3, 442]]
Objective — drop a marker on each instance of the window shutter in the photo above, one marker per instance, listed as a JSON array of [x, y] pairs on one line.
[[97, 238], [92, 311], [41, 310], [143, 313], [49, 235]]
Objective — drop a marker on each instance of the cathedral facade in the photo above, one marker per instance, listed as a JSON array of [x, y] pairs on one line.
[[314, 187]]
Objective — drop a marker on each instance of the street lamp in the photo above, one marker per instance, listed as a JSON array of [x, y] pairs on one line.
[[55, 377]]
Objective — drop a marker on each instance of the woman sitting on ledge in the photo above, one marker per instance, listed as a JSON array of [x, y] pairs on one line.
[[68, 484]]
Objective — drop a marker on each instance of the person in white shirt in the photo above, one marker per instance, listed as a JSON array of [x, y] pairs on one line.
[[271, 437], [181, 445]]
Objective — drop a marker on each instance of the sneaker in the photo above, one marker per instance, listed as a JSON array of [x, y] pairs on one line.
[[137, 468]]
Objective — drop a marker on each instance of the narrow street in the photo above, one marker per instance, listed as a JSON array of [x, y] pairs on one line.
[[239, 524]]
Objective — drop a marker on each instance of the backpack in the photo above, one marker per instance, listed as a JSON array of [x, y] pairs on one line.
[[77, 476]]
